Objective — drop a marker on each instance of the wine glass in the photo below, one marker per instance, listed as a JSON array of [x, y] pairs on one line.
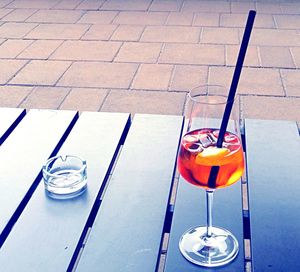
[[203, 164]]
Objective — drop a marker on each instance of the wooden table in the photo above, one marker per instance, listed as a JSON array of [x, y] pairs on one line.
[[136, 208]]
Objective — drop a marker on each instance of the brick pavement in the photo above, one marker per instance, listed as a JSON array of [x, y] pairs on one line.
[[144, 55]]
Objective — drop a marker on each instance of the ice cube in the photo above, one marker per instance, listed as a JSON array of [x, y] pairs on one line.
[[230, 138], [194, 147], [216, 133], [206, 140], [213, 138], [190, 138]]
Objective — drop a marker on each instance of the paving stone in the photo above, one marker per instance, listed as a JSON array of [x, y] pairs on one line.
[[40, 49], [252, 80], [291, 82], [141, 18], [296, 55], [4, 3], [15, 30], [41, 72], [45, 98], [279, 108], [251, 58], [193, 54], [276, 57], [290, 8], [130, 5], [98, 17], [180, 18], [12, 96], [55, 16], [86, 50], [19, 15], [4, 12], [166, 5], [287, 21], [206, 19], [67, 4], [38, 4], [8, 68], [57, 31], [84, 99], [151, 102], [99, 32], [241, 7], [187, 77], [239, 20], [220, 35], [274, 37], [139, 52], [153, 77], [90, 4], [175, 34], [12, 48], [101, 75], [272, 8], [206, 6], [127, 33]]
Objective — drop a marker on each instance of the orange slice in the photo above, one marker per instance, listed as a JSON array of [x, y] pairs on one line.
[[211, 156]]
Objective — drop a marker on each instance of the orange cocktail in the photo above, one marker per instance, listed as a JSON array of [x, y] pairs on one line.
[[198, 153]]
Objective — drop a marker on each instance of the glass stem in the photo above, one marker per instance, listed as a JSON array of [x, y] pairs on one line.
[[209, 204]]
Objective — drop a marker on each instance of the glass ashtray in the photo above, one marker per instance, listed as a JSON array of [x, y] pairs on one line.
[[65, 176]]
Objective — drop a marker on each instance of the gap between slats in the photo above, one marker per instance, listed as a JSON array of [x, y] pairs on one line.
[[87, 229], [34, 185]]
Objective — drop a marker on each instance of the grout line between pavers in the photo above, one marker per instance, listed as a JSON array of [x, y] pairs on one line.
[[59, 78], [134, 75], [293, 57], [32, 41], [25, 63], [181, 6], [84, 12], [171, 78], [11, 11], [162, 47], [65, 97], [282, 83], [150, 5], [113, 32], [274, 21], [207, 75], [84, 32], [26, 96], [7, 4], [104, 99], [117, 53], [25, 20], [50, 55]]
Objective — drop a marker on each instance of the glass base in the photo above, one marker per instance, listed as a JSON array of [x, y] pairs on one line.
[[219, 249]]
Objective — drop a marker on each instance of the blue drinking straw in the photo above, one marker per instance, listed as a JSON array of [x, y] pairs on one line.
[[230, 99]]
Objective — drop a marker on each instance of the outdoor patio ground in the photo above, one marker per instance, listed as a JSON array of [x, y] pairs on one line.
[[144, 55]]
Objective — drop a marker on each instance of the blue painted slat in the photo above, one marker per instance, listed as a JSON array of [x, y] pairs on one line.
[[22, 156], [190, 211], [9, 119], [127, 232], [47, 233], [273, 154]]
